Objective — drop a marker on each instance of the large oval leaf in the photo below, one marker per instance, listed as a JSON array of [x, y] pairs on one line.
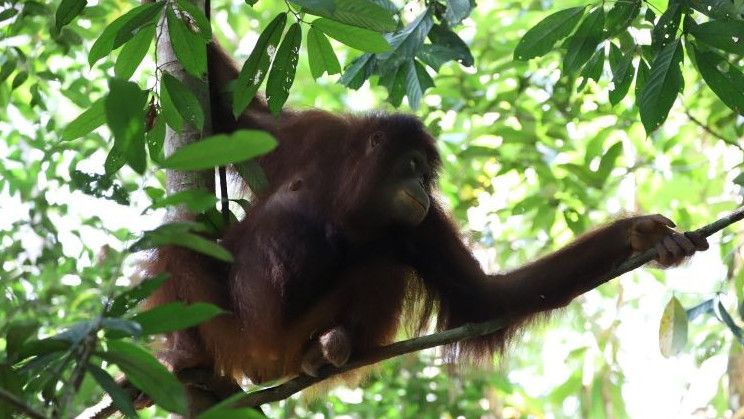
[[355, 37], [622, 73], [190, 48], [124, 108], [361, 13], [723, 78], [254, 70], [180, 234], [621, 15], [320, 54], [196, 200], [201, 25], [123, 29], [582, 44], [175, 316], [119, 396], [133, 52], [726, 34], [539, 40], [86, 122], [68, 10], [219, 150], [283, 69], [665, 29], [673, 329], [184, 101], [663, 84], [147, 374]]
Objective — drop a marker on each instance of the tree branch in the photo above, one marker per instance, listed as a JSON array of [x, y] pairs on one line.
[[20, 405], [710, 131], [468, 331], [288, 388]]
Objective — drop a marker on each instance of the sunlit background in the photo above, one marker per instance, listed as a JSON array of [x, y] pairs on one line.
[[519, 146]]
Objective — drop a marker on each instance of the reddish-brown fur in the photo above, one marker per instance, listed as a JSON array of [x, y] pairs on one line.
[[320, 256]]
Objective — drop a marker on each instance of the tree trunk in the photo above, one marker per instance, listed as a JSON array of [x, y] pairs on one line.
[[177, 180]]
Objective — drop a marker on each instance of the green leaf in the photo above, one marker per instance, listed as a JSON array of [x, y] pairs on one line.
[[360, 13], [7, 69], [395, 82], [220, 412], [673, 329], [8, 13], [457, 10], [219, 150], [703, 308], [196, 200], [11, 382], [115, 160], [622, 73], [42, 347], [641, 78], [417, 81], [725, 317], [621, 15], [196, 15], [593, 68], [406, 43], [663, 84], [118, 328], [607, 163], [124, 107], [178, 234], [175, 316], [86, 122], [19, 79], [119, 397], [256, 66], [133, 52], [723, 78], [665, 30], [355, 37], [283, 69], [155, 139], [19, 331], [320, 54], [67, 11], [169, 111], [717, 9], [725, 34], [190, 48], [147, 374], [131, 297], [541, 38], [574, 220], [358, 71], [582, 44], [445, 46], [123, 29], [184, 101], [252, 173]]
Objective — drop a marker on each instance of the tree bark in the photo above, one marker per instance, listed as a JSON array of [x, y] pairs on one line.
[[177, 180]]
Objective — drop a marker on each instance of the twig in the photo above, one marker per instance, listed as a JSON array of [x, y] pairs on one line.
[[710, 131], [286, 389], [651, 254], [20, 405]]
